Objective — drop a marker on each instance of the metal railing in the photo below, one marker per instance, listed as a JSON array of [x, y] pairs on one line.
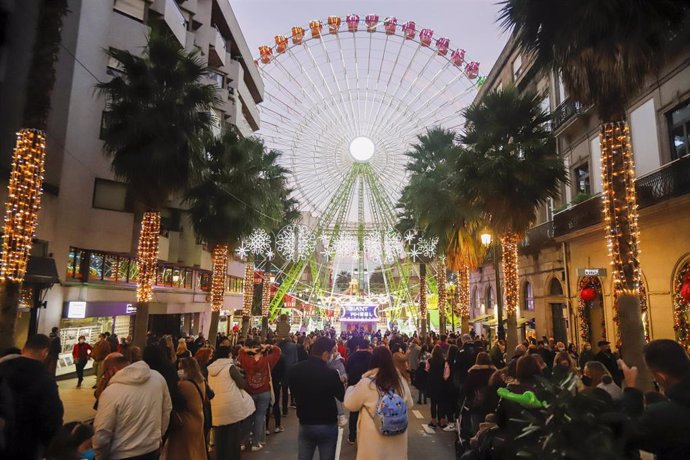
[[537, 237], [564, 112]]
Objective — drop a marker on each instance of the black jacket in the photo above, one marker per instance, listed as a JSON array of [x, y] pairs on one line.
[[463, 361], [662, 427], [357, 364], [35, 407], [315, 386]]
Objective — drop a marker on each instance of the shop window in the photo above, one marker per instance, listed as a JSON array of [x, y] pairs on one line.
[[135, 9], [111, 195], [679, 130], [581, 179], [517, 67], [96, 262], [527, 297]]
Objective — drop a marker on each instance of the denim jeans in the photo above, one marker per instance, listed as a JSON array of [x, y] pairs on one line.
[[325, 437], [258, 419]]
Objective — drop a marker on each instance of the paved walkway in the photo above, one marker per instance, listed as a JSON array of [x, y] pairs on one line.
[[423, 441]]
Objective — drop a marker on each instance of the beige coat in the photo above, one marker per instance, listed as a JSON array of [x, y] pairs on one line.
[[371, 444], [187, 442]]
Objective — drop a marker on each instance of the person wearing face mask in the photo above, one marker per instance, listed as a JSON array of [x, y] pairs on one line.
[[660, 428], [81, 354], [35, 410]]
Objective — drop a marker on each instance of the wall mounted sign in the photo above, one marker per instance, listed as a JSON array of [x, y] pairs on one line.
[[591, 272], [359, 313]]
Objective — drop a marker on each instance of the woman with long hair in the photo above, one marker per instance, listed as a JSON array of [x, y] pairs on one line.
[[186, 438], [435, 387], [204, 356], [383, 377], [182, 351], [596, 375]]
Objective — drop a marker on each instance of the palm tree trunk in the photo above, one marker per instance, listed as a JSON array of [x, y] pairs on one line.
[[147, 265], [21, 216], [619, 201], [509, 243], [422, 300], [248, 296], [441, 282], [265, 305], [464, 297], [220, 269]]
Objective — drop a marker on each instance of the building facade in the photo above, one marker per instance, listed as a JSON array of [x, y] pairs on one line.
[[87, 223], [566, 288]]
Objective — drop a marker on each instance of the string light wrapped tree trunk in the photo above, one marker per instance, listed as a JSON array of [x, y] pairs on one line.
[[423, 316], [247, 295], [509, 248], [464, 297], [26, 175], [220, 268], [147, 255], [265, 304], [442, 295]]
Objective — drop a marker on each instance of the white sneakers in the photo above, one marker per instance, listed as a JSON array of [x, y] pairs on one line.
[[450, 427]]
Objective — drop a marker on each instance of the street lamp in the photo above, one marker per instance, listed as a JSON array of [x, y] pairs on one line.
[[486, 238]]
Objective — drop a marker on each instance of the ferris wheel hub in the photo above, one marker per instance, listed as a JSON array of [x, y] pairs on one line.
[[362, 149]]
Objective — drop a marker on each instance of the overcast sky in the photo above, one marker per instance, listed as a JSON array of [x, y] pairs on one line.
[[470, 24]]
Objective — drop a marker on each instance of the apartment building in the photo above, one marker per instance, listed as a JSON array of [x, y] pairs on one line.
[[565, 251], [87, 225]]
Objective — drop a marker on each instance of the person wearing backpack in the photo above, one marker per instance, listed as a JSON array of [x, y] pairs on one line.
[[383, 398]]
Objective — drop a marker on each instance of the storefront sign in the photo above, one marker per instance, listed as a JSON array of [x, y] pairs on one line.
[[130, 309], [76, 310], [359, 313], [591, 272]]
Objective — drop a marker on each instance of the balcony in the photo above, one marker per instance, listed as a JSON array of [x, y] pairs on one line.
[[218, 52], [537, 238], [565, 112], [118, 269], [172, 15], [670, 181]]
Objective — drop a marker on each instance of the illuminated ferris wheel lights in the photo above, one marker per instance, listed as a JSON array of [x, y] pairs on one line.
[[362, 149]]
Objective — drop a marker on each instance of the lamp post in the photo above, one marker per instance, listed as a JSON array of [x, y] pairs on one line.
[[486, 238]]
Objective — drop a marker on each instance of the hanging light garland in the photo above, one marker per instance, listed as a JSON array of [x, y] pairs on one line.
[[509, 246], [590, 290], [147, 255], [422, 292], [248, 288], [23, 203], [220, 268], [620, 209]]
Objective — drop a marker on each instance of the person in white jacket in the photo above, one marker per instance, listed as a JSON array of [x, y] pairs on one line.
[[364, 397], [230, 405], [133, 413]]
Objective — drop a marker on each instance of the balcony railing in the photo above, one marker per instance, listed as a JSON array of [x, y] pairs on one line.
[[564, 112], [672, 180], [537, 237], [92, 266]]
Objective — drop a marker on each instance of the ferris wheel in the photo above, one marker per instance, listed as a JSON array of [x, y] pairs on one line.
[[344, 100]]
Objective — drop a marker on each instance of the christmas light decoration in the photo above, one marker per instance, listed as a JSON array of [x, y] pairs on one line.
[[422, 292], [248, 289], [220, 268], [588, 282], [509, 262], [441, 285], [258, 242], [464, 292], [295, 242], [619, 201], [643, 310], [23, 203], [680, 306], [266, 296], [147, 255]]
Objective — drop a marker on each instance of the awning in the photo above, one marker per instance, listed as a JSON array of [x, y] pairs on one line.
[[520, 321], [482, 318]]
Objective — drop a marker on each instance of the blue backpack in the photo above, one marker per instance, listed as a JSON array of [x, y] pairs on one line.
[[390, 417]]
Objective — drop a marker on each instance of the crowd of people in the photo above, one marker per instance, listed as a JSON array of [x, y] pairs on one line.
[[193, 399]]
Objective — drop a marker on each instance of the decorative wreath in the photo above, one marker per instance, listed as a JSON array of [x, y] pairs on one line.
[[590, 289]]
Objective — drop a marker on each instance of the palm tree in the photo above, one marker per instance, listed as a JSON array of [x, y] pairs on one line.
[[241, 188], [605, 51], [509, 168], [21, 208], [430, 203], [158, 112]]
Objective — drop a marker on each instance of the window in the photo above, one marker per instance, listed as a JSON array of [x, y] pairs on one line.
[[133, 8], [105, 117], [217, 78], [581, 176], [679, 129], [527, 297], [546, 104], [517, 67], [111, 195]]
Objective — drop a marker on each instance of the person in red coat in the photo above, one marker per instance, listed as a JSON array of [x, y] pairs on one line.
[[81, 353]]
